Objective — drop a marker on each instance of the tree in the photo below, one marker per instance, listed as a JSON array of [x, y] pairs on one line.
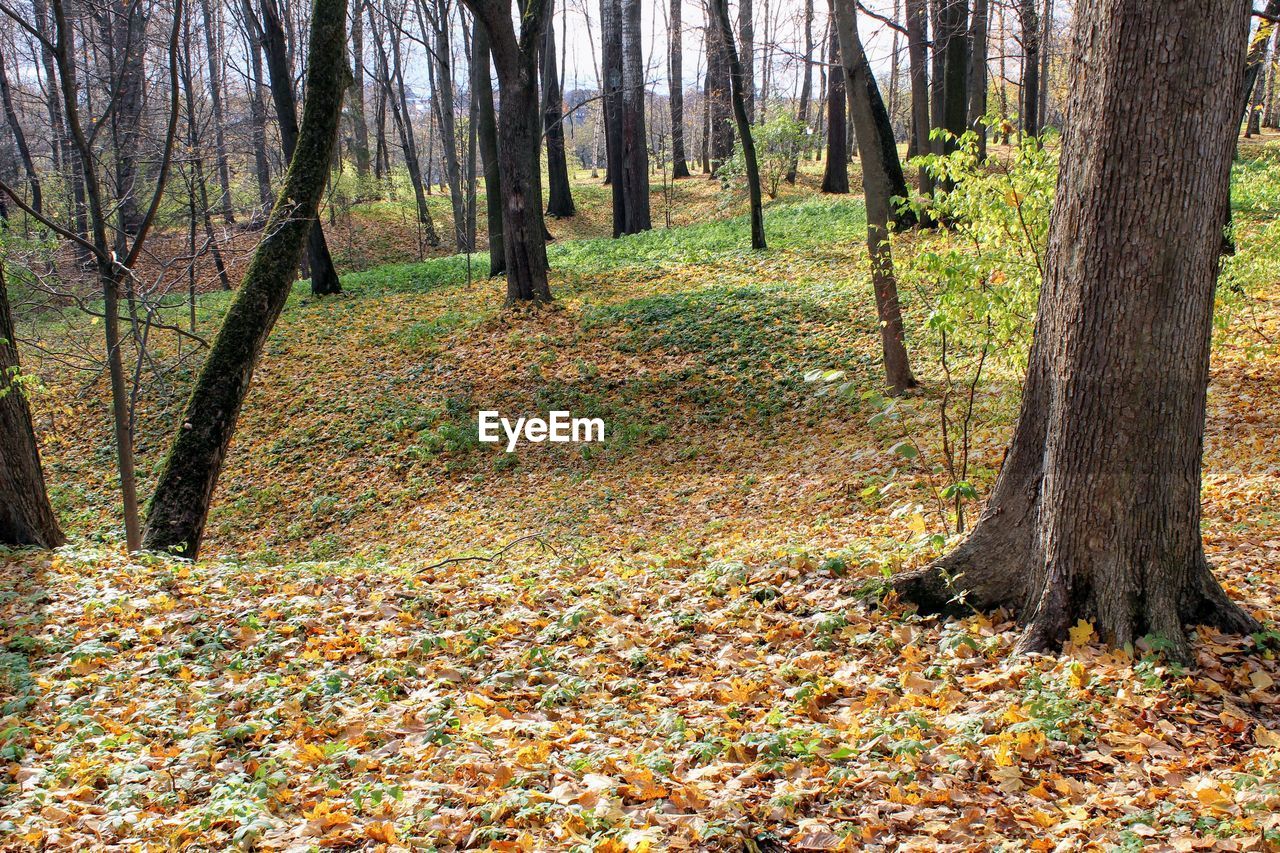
[[487, 135], [875, 141], [978, 74], [26, 518], [675, 59], [1096, 512], [917, 52], [1029, 19], [214, 58], [635, 142], [433, 19], [559, 196], [806, 84], [737, 83], [184, 492], [835, 177], [324, 277], [515, 56], [716, 83]]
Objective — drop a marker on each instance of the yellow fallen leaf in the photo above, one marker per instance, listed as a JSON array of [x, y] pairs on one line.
[[1082, 633]]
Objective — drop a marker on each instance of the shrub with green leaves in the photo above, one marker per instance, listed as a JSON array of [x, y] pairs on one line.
[[777, 142]]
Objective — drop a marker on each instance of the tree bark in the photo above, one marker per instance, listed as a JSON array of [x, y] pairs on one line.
[[515, 57], [635, 141], [20, 139], [611, 69], [487, 131], [26, 518], [257, 112], [835, 177], [181, 502], [978, 74], [214, 56], [738, 83], [917, 52], [1029, 18], [559, 196], [324, 278], [1102, 523], [719, 109], [875, 141], [675, 59], [747, 56], [442, 62], [360, 125]]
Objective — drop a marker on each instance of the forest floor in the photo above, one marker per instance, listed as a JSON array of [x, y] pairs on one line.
[[671, 641]]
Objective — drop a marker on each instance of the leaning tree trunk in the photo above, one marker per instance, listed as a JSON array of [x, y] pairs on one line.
[[324, 277], [559, 197], [515, 57], [835, 177], [737, 85], [881, 181], [26, 518], [181, 501], [1096, 513], [675, 59], [487, 136]]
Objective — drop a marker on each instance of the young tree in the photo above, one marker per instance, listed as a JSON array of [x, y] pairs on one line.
[[559, 196], [878, 157], [738, 82], [675, 60], [184, 492], [515, 56], [1096, 513], [26, 518]]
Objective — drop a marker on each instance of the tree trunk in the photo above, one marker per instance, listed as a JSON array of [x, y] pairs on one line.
[[128, 49], [324, 278], [737, 83], [559, 197], [26, 518], [953, 32], [519, 130], [1256, 55], [1103, 524], [917, 52], [181, 502], [835, 178], [487, 128], [978, 74], [719, 110], [875, 141], [611, 69], [444, 108], [635, 141], [214, 55], [806, 84], [360, 125], [747, 56], [257, 113], [20, 139], [675, 58], [1029, 18]]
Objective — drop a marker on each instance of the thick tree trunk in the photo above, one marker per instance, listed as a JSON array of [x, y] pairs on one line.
[[978, 74], [611, 69], [835, 178], [181, 502], [26, 518], [128, 31], [324, 277], [719, 109], [747, 56], [559, 196], [355, 103], [487, 133], [953, 34], [635, 141], [881, 180], [515, 57], [1104, 524], [738, 83], [257, 113], [917, 52], [675, 59]]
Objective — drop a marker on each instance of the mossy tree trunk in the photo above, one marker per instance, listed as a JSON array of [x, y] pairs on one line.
[[181, 501], [26, 518], [1096, 513], [515, 56]]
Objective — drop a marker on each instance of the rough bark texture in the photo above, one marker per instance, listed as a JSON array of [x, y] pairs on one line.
[[487, 135], [515, 56], [1096, 513], [611, 69], [878, 157], [835, 177], [953, 31], [128, 32], [675, 71], [747, 56], [635, 141], [1029, 18], [559, 197], [25, 515], [183, 494], [738, 82], [719, 109]]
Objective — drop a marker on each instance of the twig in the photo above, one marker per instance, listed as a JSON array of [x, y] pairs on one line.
[[489, 559]]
